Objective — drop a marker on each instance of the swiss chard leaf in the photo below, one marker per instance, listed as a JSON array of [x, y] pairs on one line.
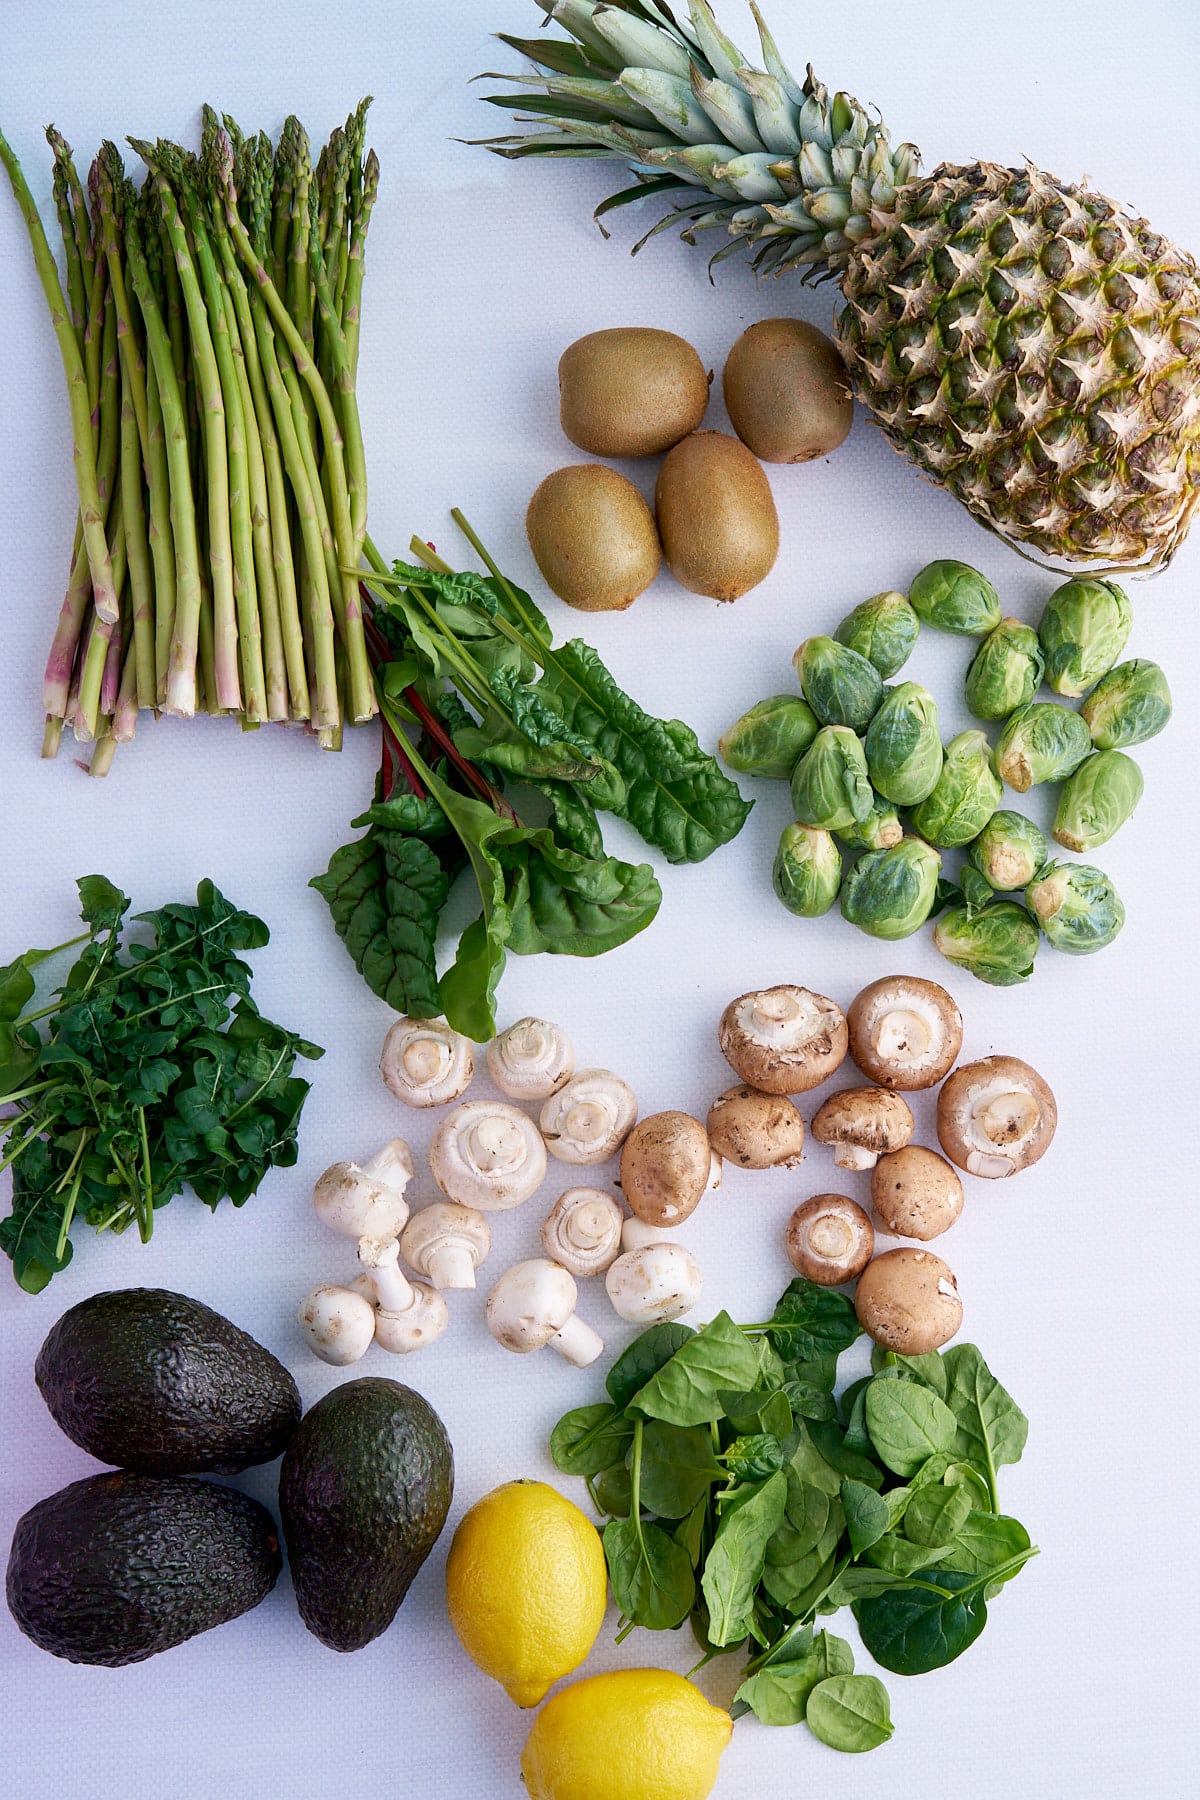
[[385, 892]]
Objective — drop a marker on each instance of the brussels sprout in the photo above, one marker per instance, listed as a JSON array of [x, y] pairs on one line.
[[771, 738], [884, 629], [967, 793], [1097, 799], [1042, 742], [1076, 906], [841, 686], [951, 596], [904, 751], [830, 789], [998, 944], [890, 893], [1009, 850], [1131, 704], [878, 831], [808, 871], [977, 890], [1006, 672], [1083, 631]]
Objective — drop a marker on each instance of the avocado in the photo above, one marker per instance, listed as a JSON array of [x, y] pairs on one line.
[[118, 1567], [158, 1383], [364, 1490]]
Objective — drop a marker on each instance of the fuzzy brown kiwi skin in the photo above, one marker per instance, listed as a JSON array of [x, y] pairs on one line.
[[630, 391], [716, 516], [787, 391], [593, 537]]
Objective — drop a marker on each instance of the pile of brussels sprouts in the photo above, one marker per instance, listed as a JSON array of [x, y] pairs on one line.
[[859, 754]]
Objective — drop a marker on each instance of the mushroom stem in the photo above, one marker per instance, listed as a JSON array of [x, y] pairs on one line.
[[381, 1256], [577, 1342], [854, 1156], [392, 1166], [452, 1266]]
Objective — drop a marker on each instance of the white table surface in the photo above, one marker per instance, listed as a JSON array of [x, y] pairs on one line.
[[1078, 1279]]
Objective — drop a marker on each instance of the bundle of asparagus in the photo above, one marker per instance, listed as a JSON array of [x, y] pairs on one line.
[[209, 333]]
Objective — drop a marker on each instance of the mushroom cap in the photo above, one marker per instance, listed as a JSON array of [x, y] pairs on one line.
[[418, 1325], [337, 1323], [530, 1303], [446, 1226], [995, 1116], [863, 1122], [915, 1193], [368, 1201], [635, 1232], [653, 1283], [907, 1300], [829, 1239], [756, 1130], [589, 1118], [531, 1060], [488, 1154], [424, 1062], [582, 1231], [904, 1032], [783, 1040], [666, 1166]]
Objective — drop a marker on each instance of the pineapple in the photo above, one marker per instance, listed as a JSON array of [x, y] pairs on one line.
[[1028, 344]]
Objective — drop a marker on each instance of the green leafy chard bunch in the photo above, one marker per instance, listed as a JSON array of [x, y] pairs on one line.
[[742, 1495], [1027, 343], [156, 1071]]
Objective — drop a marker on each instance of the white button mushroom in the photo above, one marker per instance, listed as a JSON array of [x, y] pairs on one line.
[[532, 1304], [337, 1323], [996, 1116], [635, 1233], [488, 1154], [425, 1063], [582, 1231], [447, 1242], [531, 1060], [861, 1123], [755, 1130], [653, 1283], [783, 1040], [907, 1300], [666, 1167], [829, 1239], [915, 1193], [366, 1200], [904, 1033], [410, 1314], [589, 1119]]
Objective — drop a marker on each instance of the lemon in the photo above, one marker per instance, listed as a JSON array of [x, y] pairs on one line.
[[526, 1587], [637, 1734]]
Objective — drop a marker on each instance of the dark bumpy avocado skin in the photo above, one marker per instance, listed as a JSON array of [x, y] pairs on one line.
[[364, 1490], [155, 1382], [118, 1567]]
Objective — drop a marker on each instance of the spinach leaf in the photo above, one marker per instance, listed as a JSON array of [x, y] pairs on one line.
[[965, 1474], [992, 1429], [678, 1467], [808, 1401], [926, 1625], [651, 1575], [857, 1582], [898, 1556], [734, 1565], [929, 1370], [936, 1515], [686, 1389], [753, 1458], [830, 1441], [850, 1712], [867, 1515], [589, 1439], [612, 1491], [987, 1541], [812, 1322], [761, 1410], [908, 1424], [644, 1358], [806, 1516], [689, 1533], [808, 1462]]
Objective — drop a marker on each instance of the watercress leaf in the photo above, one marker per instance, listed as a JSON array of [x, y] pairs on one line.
[[651, 1575], [678, 1467], [811, 1321], [644, 1358], [992, 1429], [850, 1712], [867, 1515], [761, 1410], [612, 1491], [101, 905], [926, 1625], [589, 1439], [907, 1423], [686, 1390], [986, 1541], [734, 1565], [16, 990], [753, 1458], [830, 1441], [930, 1369], [900, 1557], [30, 1234], [936, 1514]]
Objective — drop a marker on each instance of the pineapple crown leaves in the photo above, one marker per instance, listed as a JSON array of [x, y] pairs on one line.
[[801, 173]]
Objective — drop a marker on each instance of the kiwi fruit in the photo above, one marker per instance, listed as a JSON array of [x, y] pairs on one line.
[[716, 516], [593, 537], [787, 391], [631, 391]]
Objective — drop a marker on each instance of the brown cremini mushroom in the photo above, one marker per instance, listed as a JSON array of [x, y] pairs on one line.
[[907, 1300], [996, 1116], [915, 1193], [830, 1239], [862, 1123], [904, 1032], [666, 1166], [756, 1130], [783, 1040]]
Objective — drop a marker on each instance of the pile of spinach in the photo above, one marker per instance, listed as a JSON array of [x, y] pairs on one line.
[[742, 1495], [473, 693], [156, 1071]]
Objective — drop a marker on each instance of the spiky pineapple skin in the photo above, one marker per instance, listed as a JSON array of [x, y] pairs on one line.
[[1036, 350]]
